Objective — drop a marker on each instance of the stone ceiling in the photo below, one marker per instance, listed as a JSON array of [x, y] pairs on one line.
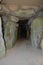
[[24, 2], [15, 5]]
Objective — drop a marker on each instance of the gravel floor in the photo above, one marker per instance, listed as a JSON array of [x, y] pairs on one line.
[[23, 54]]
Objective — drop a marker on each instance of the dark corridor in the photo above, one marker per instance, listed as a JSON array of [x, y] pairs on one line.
[[22, 31]]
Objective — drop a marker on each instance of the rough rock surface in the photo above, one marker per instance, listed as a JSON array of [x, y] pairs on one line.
[[2, 47], [10, 34], [23, 54], [36, 31]]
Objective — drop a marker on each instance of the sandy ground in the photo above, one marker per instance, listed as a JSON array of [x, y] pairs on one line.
[[23, 54]]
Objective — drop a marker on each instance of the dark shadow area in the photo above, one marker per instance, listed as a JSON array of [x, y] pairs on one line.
[[3, 32], [22, 29]]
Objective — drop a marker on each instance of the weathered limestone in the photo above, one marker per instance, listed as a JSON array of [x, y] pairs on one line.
[[2, 47], [24, 12], [10, 33], [36, 32]]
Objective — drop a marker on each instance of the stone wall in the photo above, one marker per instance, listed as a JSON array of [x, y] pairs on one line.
[[10, 33], [37, 32], [2, 47]]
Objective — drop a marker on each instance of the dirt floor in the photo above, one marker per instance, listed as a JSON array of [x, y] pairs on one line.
[[23, 54]]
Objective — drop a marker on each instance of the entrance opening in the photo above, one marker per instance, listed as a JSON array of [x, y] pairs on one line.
[[22, 29]]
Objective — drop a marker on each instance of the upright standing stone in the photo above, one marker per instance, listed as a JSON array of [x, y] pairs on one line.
[[11, 32], [2, 47], [36, 32]]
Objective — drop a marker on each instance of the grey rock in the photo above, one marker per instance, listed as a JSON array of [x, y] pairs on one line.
[[36, 32], [2, 47], [10, 34]]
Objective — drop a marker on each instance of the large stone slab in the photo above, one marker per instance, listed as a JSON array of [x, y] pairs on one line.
[[10, 34], [36, 32], [2, 47]]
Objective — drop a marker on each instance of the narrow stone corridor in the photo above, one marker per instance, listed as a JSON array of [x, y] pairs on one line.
[[23, 54]]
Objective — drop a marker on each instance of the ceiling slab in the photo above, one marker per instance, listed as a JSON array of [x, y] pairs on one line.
[[24, 2]]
